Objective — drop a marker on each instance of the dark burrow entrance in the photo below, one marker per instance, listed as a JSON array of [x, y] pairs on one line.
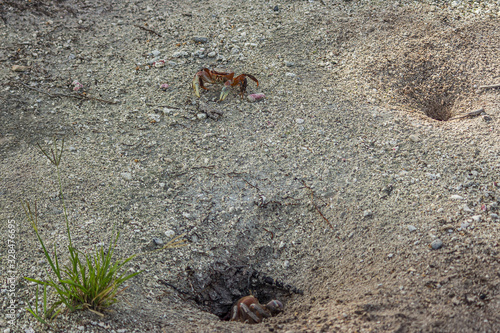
[[217, 288]]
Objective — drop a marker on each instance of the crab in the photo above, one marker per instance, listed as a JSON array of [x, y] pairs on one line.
[[221, 76], [249, 310]]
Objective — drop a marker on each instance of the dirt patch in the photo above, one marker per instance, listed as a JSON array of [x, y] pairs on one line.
[[433, 64]]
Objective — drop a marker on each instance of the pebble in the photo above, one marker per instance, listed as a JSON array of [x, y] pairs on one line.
[[413, 138], [276, 8], [201, 116], [212, 54], [367, 213], [164, 86], [411, 228], [155, 53], [169, 233], [158, 241], [200, 39], [255, 97], [436, 244], [289, 63], [288, 74], [126, 175], [180, 54], [299, 121], [476, 218], [456, 197], [494, 216]]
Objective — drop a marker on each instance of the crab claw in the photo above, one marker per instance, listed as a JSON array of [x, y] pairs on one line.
[[225, 91], [274, 307], [196, 85]]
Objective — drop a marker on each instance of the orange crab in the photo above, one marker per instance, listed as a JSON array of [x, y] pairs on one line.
[[249, 310], [221, 76]]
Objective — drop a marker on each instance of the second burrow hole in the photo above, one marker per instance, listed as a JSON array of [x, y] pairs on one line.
[[218, 287]]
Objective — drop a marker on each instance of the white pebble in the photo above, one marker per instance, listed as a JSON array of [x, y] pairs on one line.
[[456, 197], [299, 121], [180, 54], [170, 233]]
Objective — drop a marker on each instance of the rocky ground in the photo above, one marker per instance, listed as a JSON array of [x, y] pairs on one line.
[[357, 180]]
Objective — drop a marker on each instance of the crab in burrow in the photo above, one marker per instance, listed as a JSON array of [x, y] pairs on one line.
[[249, 310], [221, 76]]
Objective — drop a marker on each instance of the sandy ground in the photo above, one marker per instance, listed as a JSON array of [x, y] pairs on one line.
[[344, 186]]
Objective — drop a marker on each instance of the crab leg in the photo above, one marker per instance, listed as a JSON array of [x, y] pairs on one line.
[[258, 308], [249, 313]]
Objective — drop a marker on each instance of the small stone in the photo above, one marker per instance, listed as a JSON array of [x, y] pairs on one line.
[[286, 264], [164, 86], [367, 213], [169, 233], [456, 197], [464, 225], [289, 63], [255, 97], [201, 116], [390, 255], [155, 53], [180, 54], [276, 8], [200, 39], [299, 121], [126, 175], [158, 241], [476, 218], [494, 216], [411, 228], [212, 54], [413, 138], [436, 244], [235, 50], [291, 75]]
